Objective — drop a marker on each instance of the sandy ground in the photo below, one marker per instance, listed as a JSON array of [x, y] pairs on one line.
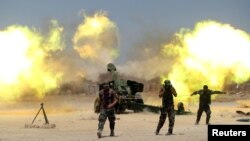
[[76, 121]]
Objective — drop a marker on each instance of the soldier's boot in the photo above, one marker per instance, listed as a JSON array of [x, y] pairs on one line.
[[170, 132], [157, 131], [99, 134], [197, 122], [112, 133], [158, 128]]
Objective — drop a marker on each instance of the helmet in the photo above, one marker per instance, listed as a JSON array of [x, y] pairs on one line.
[[167, 83], [180, 107]]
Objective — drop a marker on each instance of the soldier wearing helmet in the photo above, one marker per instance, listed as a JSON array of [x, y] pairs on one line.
[[205, 101], [166, 93]]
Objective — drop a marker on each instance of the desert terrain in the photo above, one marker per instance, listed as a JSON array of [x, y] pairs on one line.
[[75, 120]]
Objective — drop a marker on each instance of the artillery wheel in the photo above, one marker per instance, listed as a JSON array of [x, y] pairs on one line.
[[119, 109]]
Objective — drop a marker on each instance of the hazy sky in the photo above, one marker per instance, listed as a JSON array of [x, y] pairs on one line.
[[134, 18]]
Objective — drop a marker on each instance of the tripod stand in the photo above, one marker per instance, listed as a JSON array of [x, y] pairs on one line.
[[44, 114]]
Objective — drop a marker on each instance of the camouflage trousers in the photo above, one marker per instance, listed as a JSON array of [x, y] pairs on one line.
[[167, 110], [104, 114], [202, 108]]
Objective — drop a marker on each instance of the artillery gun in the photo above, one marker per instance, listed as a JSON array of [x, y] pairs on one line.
[[129, 95], [128, 92]]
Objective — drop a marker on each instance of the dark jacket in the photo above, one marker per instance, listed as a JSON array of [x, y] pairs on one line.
[[107, 97], [205, 95], [167, 93]]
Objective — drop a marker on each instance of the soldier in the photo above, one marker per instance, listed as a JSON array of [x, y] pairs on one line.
[[166, 93], [205, 101], [108, 98]]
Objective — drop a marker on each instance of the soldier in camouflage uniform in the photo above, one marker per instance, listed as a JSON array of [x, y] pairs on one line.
[[166, 93], [108, 98], [205, 101]]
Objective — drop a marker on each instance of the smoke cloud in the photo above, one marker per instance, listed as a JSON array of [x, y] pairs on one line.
[[146, 60], [96, 41], [212, 53], [33, 63], [25, 66]]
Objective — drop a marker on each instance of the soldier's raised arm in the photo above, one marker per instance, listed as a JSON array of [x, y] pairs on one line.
[[161, 92], [174, 91], [194, 93], [218, 92]]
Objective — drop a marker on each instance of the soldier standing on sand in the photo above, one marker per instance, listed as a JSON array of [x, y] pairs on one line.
[[108, 99], [166, 93], [205, 101]]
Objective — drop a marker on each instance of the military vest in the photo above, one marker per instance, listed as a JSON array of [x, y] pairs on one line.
[[167, 97], [106, 98], [205, 97]]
